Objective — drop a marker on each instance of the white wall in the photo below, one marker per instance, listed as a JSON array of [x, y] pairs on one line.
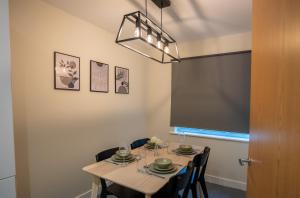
[[6, 123], [58, 132], [7, 156], [223, 166], [229, 43], [7, 188]]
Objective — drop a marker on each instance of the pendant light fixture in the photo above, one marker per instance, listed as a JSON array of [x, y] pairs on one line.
[[140, 34]]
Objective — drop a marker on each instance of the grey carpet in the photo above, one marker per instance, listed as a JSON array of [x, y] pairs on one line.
[[217, 191]]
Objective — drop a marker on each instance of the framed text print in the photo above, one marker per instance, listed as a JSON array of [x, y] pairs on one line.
[[99, 77]]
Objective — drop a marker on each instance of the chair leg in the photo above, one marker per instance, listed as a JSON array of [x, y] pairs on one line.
[[203, 187], [104, 191], [103, 194], [194, 191]]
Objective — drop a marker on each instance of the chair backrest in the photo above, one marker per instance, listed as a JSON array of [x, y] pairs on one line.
[[206, 153], [103, 155], [181, 182], [200, 162], [139, 143]]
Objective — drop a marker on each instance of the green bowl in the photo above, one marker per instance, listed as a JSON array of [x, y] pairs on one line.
[[185, 147], [151, 143], [163, 163], [123, 153]]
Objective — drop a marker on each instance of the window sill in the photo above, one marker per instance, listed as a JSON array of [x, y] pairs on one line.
[[211, 137]]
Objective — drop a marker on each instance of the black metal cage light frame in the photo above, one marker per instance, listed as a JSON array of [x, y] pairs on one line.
[[142, 23]]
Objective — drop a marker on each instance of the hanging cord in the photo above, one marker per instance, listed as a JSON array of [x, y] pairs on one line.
[[161, 19], [146, 7]]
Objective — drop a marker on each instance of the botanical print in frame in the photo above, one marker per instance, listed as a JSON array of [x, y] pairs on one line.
[[66, 72], [99, 73], [121, 80]]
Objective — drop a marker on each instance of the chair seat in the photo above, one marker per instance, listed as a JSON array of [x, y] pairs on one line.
[[123, 192]]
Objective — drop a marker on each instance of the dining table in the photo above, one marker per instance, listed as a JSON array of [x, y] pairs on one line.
[[129, 175]]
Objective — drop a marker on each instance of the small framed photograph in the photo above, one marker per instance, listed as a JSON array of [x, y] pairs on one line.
[[121, 80], [99, 77], [66, 72]]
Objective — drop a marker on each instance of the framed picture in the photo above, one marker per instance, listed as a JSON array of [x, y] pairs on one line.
[[66, 72], [99, 73], [121, 80]]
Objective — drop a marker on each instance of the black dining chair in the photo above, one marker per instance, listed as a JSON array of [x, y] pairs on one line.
[[113, 189], [176, 184], [138, 143], [103, 155], [200, 162]]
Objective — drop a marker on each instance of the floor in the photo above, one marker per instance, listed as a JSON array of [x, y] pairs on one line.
[[217, 191]]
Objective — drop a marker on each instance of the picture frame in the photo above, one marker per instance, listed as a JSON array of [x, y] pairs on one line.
[[99, 77], [121, 80], [66, 72]]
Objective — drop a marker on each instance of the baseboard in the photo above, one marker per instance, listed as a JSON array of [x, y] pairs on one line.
[[226, 182], [209, 178], [86, 194]]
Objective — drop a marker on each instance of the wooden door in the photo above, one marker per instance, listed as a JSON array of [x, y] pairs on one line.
[[275, 100]]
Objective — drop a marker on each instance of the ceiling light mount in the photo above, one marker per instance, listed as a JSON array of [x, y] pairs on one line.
[[140, 34], [162, 3]]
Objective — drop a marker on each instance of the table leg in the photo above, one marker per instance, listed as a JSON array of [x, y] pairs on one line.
[[147, 196], [95, 186]]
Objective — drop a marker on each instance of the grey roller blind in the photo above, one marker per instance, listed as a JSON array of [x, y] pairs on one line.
[[212, 92]]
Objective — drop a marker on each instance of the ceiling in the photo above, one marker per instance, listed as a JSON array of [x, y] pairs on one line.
[[185, 20]]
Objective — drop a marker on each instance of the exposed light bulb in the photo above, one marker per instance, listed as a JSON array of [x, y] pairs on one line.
[[137, 32], [149, 36], [166, 49], [159, 43]]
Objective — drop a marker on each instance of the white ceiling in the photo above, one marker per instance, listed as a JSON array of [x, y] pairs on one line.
[[185, 20]]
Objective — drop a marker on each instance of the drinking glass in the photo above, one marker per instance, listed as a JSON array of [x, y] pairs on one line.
[[143, 153], [166, 146], [156, 150], [138, 162], [124, 149], [183, 138], [142, 156]]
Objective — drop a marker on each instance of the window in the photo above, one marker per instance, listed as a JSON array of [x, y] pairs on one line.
[[211, 95], [244, 137]]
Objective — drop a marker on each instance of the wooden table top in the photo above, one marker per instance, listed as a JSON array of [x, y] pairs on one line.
[[129, 176]]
